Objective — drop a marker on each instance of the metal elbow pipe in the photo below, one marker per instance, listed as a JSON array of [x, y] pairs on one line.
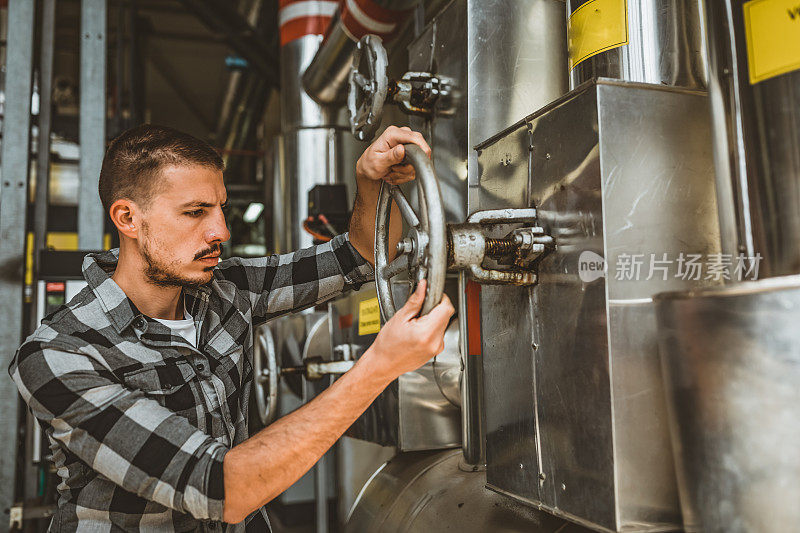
[[325, 79]]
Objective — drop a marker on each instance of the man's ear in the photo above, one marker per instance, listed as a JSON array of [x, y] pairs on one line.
[[125, 215]]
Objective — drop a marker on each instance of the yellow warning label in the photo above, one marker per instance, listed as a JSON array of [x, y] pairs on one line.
[[369, 317], [772, 28], [596, 26]]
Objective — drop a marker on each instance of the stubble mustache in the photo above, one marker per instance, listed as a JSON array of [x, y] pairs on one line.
[[214, 248]]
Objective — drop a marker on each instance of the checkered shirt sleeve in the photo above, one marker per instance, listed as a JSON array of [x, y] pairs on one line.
[[120, 433], [280, 284]]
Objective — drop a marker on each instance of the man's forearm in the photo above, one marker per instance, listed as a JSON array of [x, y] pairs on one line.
[[269, 462], [362, 222]]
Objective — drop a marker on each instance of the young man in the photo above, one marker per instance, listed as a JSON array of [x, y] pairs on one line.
[[142, 381]]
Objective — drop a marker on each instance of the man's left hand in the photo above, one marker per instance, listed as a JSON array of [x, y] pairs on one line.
[[383, 160]]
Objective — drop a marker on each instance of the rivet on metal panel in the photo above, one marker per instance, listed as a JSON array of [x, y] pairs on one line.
[[521, 466], [542, 476], [563, 486]]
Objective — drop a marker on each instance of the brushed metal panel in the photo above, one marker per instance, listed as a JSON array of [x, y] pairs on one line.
[[517, 53], [442, 49], [656, 158], [572, 361]]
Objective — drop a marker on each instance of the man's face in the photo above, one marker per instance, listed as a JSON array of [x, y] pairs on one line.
[[183, 227]]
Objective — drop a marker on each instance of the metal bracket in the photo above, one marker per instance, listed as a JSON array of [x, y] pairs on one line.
[[424, 94], [468, 247]]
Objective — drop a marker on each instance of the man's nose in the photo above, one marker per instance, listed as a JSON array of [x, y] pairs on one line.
[[217, 231]]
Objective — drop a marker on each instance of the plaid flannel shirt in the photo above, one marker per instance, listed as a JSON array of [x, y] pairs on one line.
[[138, 420]]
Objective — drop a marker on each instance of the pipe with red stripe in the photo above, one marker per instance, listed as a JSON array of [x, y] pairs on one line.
[[298, 18], [325, 79], [362, 17]]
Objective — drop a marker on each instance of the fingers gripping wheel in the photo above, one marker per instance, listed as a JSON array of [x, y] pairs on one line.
[[265, 368], [368, 85], [423, 251]]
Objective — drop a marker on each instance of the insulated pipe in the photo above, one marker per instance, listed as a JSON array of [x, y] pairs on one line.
[[647, 41], [325, 78]]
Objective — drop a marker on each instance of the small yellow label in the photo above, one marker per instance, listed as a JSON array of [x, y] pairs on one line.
[[369, 317], [772, 28], [596, 26]]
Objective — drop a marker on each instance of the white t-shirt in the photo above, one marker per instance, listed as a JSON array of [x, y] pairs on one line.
[[184, 328]]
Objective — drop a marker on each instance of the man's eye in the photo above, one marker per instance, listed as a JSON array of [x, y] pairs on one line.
[[195, 213]]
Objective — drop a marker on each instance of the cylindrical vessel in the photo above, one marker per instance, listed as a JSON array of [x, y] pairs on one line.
[[425, 491], [326, 77], [647, 41], [731, 368], [754, 85]]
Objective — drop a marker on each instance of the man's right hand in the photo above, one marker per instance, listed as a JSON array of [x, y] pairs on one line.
[[406, 342], [263, 466]]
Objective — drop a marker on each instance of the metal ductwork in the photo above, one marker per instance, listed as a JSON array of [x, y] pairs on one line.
[[325, 79]]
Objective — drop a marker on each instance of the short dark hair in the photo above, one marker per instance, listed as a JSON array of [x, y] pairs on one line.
[[137, 156]]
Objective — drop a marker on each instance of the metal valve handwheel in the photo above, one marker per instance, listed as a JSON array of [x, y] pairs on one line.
[[423, 251], [265, 369], [368, 87]]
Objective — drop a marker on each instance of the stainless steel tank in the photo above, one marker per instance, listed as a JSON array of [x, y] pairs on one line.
[[754, 59], [423, 492], [731, 360], [648, 41]]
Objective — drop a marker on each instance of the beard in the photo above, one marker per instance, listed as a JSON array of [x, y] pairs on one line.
[[168, 273]]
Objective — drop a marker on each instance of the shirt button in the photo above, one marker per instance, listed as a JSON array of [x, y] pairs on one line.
[[200, 367], [140, 323]]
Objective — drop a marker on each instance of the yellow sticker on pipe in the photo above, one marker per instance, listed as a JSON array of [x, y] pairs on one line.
[[369, 317], [772, 29], [596, 26]]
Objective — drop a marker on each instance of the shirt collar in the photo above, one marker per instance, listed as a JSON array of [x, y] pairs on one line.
[[97, 270]]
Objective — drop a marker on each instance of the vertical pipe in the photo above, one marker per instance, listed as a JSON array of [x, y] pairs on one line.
[[119, 72], [473, 443], [91, 219], [13, 201], [40, 207], [45, 120]]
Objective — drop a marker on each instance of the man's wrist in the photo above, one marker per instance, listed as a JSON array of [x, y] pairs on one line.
[[369, 365]]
